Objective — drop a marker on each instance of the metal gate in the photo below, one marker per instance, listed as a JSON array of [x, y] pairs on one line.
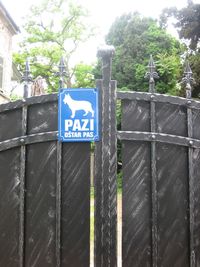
[[45, 185], [161, 178], [160, 138], [44, 189], [161, 171]]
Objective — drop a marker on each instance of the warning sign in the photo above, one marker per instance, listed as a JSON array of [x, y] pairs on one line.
[[78, 115]]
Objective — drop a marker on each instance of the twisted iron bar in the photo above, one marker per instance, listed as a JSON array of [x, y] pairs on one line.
[[26, 78], [151, 74], [188, 80], [62, 73]]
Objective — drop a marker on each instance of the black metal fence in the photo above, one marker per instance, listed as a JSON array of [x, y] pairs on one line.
[[45, 185], [44, 189], [161, 169]]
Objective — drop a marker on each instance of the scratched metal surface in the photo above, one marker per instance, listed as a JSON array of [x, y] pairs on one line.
[[196, 123], [105, 252], [10, 124], [44, 190], [173, 217], [136, 116], [40, 222], [9, 207], [36, 122], [196, 160], [136, 209], [171, 119], [173, 191], [9, 190], [174, 206], [75, 205], [106, 186], [136, 194]]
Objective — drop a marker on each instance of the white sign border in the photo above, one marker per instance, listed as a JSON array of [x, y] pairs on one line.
[[62, 138]]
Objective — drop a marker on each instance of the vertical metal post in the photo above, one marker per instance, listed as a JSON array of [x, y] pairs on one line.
[[22, 187], [58, 204], [26, 78], [188, 80], [151, 74], [154, 189], [61, 73], [105, 169]]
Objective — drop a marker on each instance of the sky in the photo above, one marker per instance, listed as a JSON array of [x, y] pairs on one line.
[[102, 14]]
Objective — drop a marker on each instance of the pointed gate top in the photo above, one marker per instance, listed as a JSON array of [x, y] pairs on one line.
[[151, 74], [27, 74], [26, 78], [188, 80], [27, 69], [187, 68], [62, 68], [62, 72], [151, 63]]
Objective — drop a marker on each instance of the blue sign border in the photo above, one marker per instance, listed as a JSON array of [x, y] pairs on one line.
[[62, 138]]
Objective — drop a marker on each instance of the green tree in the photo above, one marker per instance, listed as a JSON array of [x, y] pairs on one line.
[[188, 26], [83, 75], [135, 38], [187, 22], [55, 28]]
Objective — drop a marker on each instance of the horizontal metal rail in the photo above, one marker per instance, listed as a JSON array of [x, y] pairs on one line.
[[28, 101], [121, 135], [142, 96], [28, 139], [158, 137]]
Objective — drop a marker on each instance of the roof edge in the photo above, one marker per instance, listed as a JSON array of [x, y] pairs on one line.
[[9, 18]]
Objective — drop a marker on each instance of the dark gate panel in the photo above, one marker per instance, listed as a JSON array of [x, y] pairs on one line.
[[76, 205], [45, 189], [173, 204], [136, 207], [196, 159], [161, 204], [9, 207], [136, 195], [196, 170], [171, 119], [172, 188], [40, 220], [10, 173]]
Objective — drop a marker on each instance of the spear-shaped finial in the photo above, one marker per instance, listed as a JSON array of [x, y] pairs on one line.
[[188, 80], [61, 73], [26, 78], [151, 74]]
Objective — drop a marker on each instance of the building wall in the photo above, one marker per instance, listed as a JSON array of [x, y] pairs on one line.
[[3, 99], [6, 54]]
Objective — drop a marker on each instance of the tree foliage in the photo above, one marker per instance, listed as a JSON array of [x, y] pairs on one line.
[[55, 28], [83, 75], [187, 22], [135, 38], [188, 26]]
